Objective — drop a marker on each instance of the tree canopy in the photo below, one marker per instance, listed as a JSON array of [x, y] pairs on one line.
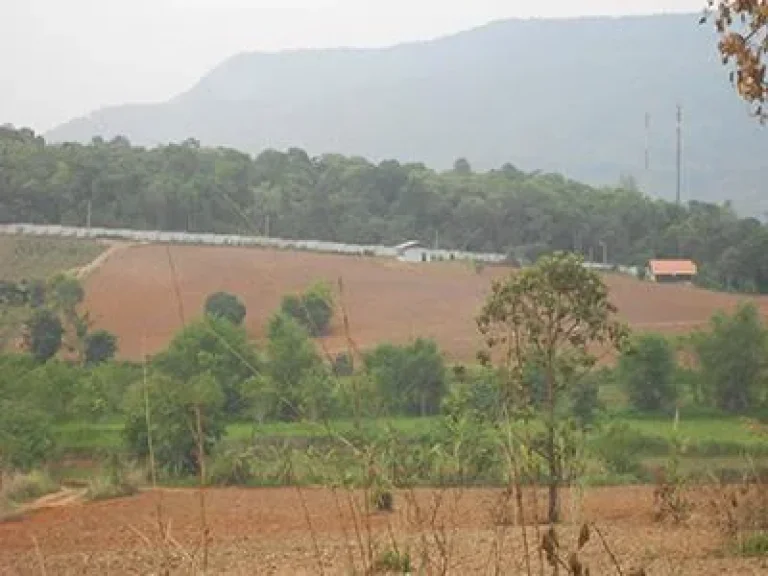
[[185, 187], [227, 306]]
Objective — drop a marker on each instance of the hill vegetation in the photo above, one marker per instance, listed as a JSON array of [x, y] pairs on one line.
[[187, 187], [574, 105]]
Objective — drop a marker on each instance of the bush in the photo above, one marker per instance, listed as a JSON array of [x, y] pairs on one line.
[[26, 437], [475, 393], [647, 371], [296, 383], [220, 349], [117, 479], [44, 335], [585, 401], [618, 447], [410, 380], [383, 500], [313, 309], [23, 487], [227, 306], [393, 562], [342, 365], [232, 467], [731, 357], [173, 421], [100, 347]]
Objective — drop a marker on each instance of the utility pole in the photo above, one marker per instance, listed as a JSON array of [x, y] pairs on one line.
[[88, 216], [266, 226], [604, 246], [437, 239], [679, 152], [647, 142]]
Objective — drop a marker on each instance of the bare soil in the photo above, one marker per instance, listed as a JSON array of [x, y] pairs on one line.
[[267, 531], [132, 294]]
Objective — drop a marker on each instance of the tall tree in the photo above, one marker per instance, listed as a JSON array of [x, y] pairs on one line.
[[548, 317]]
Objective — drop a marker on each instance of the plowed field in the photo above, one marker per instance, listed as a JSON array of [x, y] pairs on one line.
[[267, 531], [132, 294]]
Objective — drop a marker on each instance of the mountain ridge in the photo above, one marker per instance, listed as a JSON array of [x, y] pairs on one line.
[[567, 95]]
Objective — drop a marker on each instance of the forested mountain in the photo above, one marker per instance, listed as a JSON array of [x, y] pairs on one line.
[[568, 96], [350, 199]]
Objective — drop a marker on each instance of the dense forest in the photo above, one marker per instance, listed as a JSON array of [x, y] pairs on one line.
[[187, 187]]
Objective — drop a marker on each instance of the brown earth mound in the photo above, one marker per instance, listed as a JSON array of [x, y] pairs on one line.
[[132, 295]]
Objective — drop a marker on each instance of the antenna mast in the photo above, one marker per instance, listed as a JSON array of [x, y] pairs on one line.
[[679, 151], [647, 141]]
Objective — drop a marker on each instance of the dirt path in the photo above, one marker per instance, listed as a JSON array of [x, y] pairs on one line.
[[83, 272]]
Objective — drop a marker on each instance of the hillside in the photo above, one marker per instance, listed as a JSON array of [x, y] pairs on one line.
[[351, 200], [132, 295], [558, 95]]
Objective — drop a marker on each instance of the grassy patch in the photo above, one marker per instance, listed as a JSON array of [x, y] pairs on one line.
[[754, 545], [33, 258], [22, 487], [715, 445]]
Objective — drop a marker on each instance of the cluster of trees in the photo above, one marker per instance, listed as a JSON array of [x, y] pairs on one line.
[[210, 368], [54, 321], [722, 368], [189, 188]]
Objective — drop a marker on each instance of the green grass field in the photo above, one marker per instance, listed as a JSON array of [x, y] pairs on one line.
[[713, 443], [33, 258]]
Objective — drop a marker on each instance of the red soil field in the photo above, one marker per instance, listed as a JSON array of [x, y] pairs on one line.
[[267, 531], [132, 294]]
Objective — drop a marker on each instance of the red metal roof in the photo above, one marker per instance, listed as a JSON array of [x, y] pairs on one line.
[[672, 267]]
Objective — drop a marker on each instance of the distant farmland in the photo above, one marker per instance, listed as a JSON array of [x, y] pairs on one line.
[[131, 294]]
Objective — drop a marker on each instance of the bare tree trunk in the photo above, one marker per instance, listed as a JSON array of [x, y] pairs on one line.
[[554, 478]]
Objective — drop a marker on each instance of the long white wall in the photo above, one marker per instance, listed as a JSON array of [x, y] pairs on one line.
[[157, 236]]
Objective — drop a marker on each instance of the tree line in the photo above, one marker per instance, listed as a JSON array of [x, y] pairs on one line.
[[185, 187]]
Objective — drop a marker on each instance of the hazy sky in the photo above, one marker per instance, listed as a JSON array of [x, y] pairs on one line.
[[62, 58]]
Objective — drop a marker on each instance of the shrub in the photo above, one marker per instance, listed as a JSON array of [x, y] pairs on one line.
[[100, 346], [227, 306], [647, 370], [218, 348], [44, 335], [393, 561], [342, 365], [475, 393], [117, 479], [173, 420], [383, 500], [313, 309], [410, 380], [296, 382], [232, 467], [731, 357], [26, 438], [617, 447], [22, 487], [584, 399]]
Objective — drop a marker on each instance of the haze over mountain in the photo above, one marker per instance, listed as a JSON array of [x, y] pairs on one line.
[[566, 95]]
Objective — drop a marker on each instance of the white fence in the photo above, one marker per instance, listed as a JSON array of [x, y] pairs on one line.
[[158, 236]]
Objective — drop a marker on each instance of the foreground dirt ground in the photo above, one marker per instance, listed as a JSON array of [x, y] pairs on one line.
[[132, 294], [312, 531]]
